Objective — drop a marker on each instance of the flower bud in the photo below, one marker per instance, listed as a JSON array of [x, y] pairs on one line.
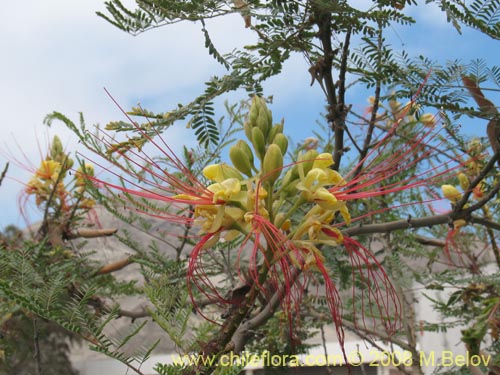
[[269, 117], [463, 180], [57, 148], [451, 192], [308, 160], [69, 164], [246, 149], [247, 127], [240, 159], [428, 120], [474, 147], [272, 164], [259, 143], [276, 129], [281, 140], [263, 122], [254, 111]]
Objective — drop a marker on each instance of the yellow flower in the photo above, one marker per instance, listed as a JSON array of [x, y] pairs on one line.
[[225, 190], [80, 174], [209, 217], [310, 255], [48, 170]]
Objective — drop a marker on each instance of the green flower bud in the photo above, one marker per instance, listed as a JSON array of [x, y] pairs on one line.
[[276, 129], [464, 181], [269, 117], [272, 164], [246, 149], [254, 111], [247, 127], [69, 163], [240, 158], [282, 141], [259, 143], [310, 155], [263, 122], [57, 148]]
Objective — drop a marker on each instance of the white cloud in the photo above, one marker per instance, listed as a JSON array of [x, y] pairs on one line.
[[58, 55]]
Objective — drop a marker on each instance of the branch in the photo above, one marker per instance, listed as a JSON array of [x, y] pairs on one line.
[[430, 241], [4, 172], [375, 107], [409, 223], [241, 335], [340, 110], [485, 222], [459, 212]]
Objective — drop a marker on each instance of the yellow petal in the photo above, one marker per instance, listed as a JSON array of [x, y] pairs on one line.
[[323, 160]]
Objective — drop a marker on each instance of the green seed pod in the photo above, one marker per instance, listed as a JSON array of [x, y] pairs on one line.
[[272, 164], [281, 140], [240, 159], [258, 142]]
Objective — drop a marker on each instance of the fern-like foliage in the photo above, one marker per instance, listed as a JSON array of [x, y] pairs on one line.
[[172, 309], [483, 15], [64, 291]]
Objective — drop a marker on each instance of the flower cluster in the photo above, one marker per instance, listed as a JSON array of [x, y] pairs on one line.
[[469, 172], [50, 186], [287, 217]]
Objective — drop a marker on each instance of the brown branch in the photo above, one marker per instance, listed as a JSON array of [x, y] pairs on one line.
[[459, 211], [430, 241], [91, 233], [340, 110], [4, 173], [409, 223], [373, 117], [485, 222], [242, 333]]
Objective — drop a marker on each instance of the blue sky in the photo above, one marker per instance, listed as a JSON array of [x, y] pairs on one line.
[[58, 55]]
